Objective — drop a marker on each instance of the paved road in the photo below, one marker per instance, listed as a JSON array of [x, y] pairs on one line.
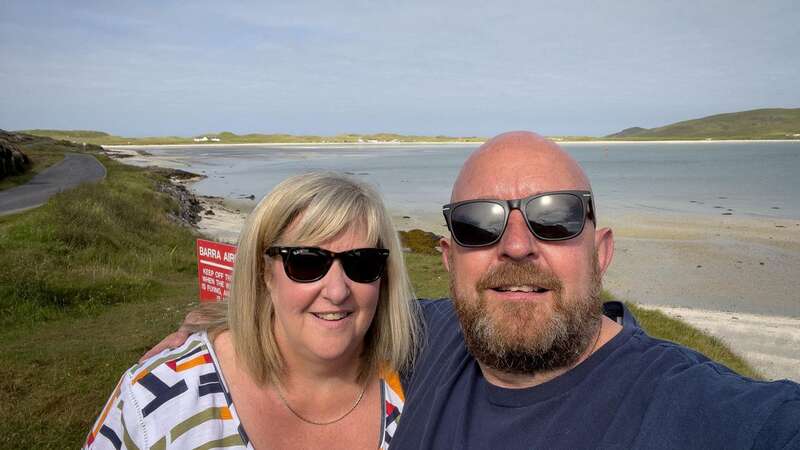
[[75, 169]]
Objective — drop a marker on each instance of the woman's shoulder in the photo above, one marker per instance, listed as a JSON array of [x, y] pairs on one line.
[[177, 393], [188, 372], [178, 362]]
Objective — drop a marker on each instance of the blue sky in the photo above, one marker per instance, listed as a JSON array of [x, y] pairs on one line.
[[413, 67]]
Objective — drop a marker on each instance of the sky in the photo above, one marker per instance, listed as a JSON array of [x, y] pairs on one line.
[[463, 68]]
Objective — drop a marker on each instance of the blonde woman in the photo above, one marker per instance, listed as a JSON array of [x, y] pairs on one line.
[[319, 322]]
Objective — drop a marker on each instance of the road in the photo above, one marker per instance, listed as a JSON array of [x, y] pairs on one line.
[[73, 170]]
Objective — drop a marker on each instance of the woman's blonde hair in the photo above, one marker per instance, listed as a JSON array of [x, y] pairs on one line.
[[319, 207]]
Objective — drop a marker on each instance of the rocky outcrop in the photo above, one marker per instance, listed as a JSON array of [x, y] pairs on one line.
[[12, 160], [189, 208]]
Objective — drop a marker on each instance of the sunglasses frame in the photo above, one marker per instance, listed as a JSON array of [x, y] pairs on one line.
[[287, 252], [520, 204]]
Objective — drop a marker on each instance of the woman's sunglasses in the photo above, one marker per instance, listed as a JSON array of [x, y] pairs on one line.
[[551, 216], [308, 264]]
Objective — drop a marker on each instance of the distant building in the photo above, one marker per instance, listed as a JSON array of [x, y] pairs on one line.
[[202, 139]]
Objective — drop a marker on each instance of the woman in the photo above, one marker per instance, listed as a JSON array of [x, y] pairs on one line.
[[319, 321]]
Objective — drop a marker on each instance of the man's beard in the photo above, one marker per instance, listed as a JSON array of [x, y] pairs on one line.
[[528, 337]]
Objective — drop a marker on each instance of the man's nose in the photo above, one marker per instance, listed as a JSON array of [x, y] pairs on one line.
[[336, 284], [518, 242]]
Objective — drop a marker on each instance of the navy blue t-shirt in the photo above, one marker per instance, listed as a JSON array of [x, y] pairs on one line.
[[634, 392]]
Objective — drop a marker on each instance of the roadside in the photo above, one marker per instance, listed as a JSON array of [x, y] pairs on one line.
[[74, 169]]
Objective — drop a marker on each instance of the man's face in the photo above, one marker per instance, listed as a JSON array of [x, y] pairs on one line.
[[525, 336], [525, 305]]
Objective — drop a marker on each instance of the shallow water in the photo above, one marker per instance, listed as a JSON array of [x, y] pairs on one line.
[[714, 178]]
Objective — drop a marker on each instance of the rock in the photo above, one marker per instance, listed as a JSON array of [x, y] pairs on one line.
[[210, 213], [189, 208], [12, 160], [420, 241]]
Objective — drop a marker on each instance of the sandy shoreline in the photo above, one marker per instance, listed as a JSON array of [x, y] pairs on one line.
[[733, 276]]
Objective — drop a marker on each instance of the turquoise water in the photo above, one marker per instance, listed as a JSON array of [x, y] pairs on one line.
[[737, 178]]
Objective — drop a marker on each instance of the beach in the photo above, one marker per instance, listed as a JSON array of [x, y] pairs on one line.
[[733, 276]]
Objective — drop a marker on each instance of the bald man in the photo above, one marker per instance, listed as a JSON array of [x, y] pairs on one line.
[[523, 355]]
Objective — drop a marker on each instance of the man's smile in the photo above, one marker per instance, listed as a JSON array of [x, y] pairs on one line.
[[521, 288]]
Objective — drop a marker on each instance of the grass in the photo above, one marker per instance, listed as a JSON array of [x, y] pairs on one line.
[[100, 274], [92, 279], [774, 123], [99, 244]]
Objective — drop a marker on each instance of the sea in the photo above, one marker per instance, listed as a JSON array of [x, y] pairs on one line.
[[751, 178]]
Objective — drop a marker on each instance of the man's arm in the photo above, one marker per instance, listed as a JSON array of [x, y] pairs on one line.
[[211, 316]]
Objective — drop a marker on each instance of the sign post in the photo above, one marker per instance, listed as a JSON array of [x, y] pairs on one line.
[[214, 269]]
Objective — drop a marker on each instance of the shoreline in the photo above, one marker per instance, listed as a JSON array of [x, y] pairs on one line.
[[416, 143]]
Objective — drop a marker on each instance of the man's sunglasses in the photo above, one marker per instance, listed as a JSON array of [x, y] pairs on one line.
[[551, 216], [308, 264]]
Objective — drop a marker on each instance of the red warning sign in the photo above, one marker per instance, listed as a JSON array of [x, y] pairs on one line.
[[214, 269]]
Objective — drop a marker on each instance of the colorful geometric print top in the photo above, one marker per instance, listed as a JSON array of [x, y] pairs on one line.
[[179, 399]]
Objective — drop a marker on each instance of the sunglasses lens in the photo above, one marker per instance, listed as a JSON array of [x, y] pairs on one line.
[[555, 216], [307, 264], [477, 223], [364, 265]]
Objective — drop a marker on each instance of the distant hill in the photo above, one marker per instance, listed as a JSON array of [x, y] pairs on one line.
[[774, 123]]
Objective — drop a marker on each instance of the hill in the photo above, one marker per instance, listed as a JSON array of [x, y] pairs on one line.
[[773, 123]]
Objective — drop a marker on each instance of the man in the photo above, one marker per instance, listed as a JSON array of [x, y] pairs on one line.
[[535, 363], [523, 356]]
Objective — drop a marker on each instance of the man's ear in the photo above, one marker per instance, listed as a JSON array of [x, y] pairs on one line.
[[604, 248], [444, 244]]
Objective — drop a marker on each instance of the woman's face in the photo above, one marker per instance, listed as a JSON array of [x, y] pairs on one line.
[[325, 320]]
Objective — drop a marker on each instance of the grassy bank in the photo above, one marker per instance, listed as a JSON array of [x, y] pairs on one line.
[[96, 245], [101, 273], [92, 278]]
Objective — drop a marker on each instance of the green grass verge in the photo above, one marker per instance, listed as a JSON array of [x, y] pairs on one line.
[[100, 274], [96, 245], [93, 278]]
